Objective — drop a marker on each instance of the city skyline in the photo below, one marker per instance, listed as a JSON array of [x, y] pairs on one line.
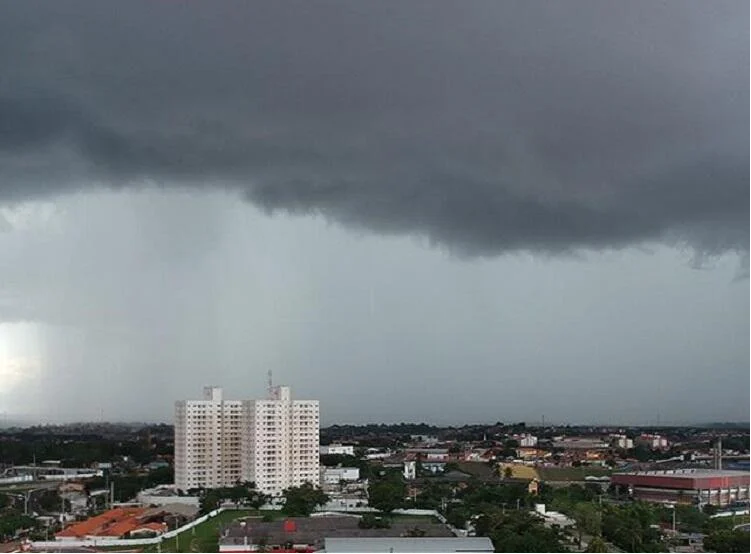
[[437, 211]]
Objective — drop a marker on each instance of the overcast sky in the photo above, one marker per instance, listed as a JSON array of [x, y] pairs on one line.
[[423, 211]]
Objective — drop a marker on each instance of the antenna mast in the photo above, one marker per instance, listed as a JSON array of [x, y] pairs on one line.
[[270, 383]]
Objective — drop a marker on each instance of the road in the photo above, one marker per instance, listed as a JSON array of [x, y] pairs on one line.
[[14, 546]]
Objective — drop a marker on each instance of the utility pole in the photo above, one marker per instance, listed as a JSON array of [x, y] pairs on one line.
[[674, 519]]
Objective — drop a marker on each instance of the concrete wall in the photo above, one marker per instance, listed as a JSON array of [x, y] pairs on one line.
[[17, 479], [157, 500]]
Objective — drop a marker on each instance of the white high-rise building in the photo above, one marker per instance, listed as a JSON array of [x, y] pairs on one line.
[[283, 446], [273, 442], [209, 441]]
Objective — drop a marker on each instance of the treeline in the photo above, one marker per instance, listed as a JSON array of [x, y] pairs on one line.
[[126, 487], [78, 452]]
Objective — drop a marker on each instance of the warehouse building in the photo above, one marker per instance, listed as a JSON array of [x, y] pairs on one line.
[[685, 486]]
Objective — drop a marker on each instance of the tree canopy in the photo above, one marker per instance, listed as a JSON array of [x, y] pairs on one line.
[[302, 500], [727, 541]]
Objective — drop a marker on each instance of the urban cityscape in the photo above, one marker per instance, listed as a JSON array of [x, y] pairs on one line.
[[242, 475], [383, 276]]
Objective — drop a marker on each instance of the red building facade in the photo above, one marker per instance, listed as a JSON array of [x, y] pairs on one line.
[[686, 486]]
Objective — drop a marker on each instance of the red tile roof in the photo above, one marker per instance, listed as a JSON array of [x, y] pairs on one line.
[[112, 523]]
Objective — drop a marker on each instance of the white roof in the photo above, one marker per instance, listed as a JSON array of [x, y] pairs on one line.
[[409, 544]]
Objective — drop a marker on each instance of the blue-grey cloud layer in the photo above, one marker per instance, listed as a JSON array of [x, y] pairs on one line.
[[484, 126]]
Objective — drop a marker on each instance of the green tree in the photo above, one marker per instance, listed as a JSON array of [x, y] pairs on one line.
[[386, 495], [727, 541], [709, 509], [333, 460], [51, 501], [256, 499], [518, 531], [630, 527], [457, 516], [302, 500], [587, 518], [12, 522], [209, 500], [371, 521], [597, 545]]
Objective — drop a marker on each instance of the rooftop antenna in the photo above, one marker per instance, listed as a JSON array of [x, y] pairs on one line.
[[270, 382]]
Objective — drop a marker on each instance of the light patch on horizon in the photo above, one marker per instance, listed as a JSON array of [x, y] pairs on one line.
[[20, 366], [16, 370]]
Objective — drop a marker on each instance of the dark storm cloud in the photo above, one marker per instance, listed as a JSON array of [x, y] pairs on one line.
[[486, 126]]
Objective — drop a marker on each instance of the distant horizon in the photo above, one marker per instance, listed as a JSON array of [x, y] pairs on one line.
[[9, 421]]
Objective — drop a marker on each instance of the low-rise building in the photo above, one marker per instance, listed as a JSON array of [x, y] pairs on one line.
[[427, 440], [580, 443], [552, 518], [655, 442], [335, 475], [166, 494], [429, 454], [340, 449], [75, 494], [479, 455], [529, 453], [686, 486], [378, 454], [410, 470], [117, 523], [621, 441]]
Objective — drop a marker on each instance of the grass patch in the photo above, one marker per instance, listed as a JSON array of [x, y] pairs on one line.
[[479, 470], [203, 537]]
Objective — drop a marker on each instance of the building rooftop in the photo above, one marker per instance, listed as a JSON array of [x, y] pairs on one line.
[[575, 443], [409, 544], [112, 523], [313, 530], [692, 473], [185, 510]]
